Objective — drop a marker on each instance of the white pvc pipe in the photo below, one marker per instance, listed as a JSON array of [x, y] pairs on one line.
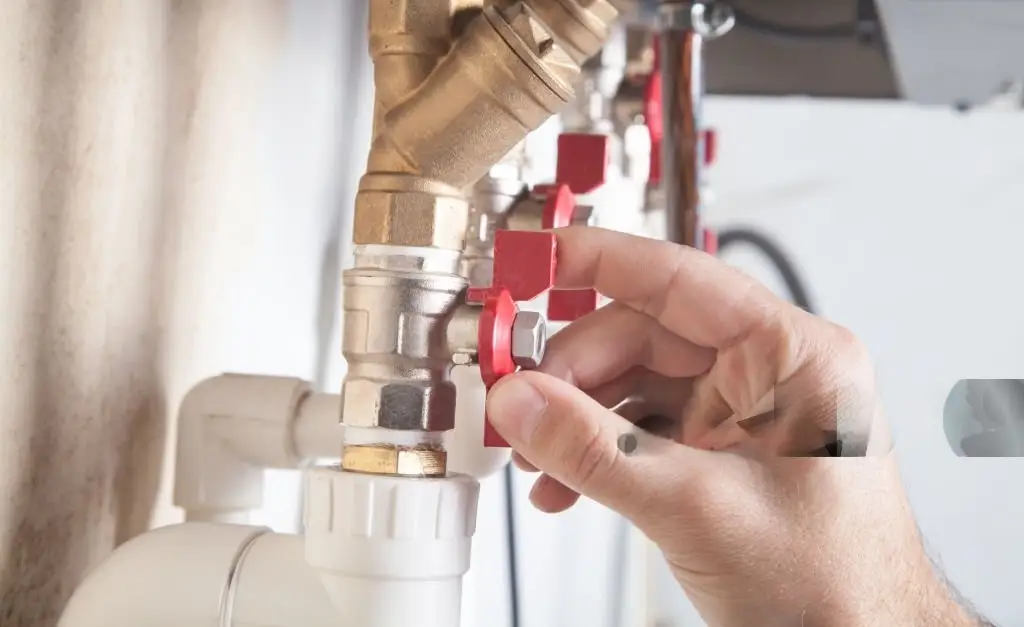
[[203, 575], [391, 551]]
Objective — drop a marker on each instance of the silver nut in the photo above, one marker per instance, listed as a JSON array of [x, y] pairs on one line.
[[529, 338]]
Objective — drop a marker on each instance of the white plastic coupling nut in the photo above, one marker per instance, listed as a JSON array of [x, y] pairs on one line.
[[391, 551]]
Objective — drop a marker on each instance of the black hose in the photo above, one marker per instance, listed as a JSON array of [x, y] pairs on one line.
[[794, 285]]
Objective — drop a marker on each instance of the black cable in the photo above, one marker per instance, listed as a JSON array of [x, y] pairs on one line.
[[764, 244], [510, 537]]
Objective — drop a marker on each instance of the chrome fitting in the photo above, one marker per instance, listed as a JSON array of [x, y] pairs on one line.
[[396, 310], [491, 201], [529, 339]]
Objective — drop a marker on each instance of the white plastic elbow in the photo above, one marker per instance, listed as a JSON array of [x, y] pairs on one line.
[[203, 575], [233, 427]]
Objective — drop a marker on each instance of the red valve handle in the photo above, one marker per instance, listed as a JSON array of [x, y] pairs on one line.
[[524, 268], [653, 115], [582, 167]]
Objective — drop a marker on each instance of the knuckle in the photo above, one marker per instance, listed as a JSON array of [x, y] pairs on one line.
[[594, 458]]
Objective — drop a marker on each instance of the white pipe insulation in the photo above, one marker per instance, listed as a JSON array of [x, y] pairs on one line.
[[203, 575]]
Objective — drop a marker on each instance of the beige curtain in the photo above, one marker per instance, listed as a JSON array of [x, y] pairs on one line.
[[125, 163]]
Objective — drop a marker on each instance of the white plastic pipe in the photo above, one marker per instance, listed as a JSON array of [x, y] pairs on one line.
[[203, 575], [233, 427], [391, 551]]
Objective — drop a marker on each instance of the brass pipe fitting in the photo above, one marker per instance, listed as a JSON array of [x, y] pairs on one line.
[[582, 26], [407, 210], [383, 459], [407, 39], [503, 78]]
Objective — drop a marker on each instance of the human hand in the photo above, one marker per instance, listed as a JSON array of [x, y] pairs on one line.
[[757, 530]]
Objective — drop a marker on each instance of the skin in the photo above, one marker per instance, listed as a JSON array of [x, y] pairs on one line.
[[758, 529]]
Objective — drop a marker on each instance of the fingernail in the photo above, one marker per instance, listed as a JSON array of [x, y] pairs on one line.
[[515, 407]]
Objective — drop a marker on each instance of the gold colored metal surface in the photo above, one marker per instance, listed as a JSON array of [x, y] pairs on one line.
[[386, 459], [581, 26], [406, 210], [503, 79], [407, 39]]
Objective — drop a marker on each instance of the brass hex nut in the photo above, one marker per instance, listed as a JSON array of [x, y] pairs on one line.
[[403, 405], [410, 218], [383, 459]]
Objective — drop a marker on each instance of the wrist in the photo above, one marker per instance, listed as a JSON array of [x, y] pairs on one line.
[[918, 597], [930, 602]]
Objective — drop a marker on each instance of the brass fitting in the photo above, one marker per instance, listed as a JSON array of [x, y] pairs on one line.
[[503, 78], [582, 26], [406, 210], [385, 459]]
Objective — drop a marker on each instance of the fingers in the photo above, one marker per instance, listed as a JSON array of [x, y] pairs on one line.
[[551, 496], [689, 292], [828, 395], [610, 341], [574, 440]]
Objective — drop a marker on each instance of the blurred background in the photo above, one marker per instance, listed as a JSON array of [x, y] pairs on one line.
[[176, 184]]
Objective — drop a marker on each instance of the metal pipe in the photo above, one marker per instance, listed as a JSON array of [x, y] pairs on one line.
[[685, 27], [682, 94]]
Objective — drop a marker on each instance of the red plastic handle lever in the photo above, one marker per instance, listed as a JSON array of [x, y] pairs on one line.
[[582, 168], [582, 161], [524, 268], [653, 116]]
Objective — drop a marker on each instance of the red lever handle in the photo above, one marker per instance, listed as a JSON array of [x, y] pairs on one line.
[[524, 268], [582, 167], [653, 115]]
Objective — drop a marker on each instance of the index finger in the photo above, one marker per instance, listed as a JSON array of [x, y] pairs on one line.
[[689, 292]]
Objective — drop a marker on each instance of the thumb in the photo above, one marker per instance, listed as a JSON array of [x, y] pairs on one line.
[[574, 439]]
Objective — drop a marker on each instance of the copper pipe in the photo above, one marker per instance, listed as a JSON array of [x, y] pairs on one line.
[[682, 95]]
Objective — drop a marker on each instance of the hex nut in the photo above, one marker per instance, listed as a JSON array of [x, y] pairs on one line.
[[410, 219], [404, 405], [529, 339], [392, 460]]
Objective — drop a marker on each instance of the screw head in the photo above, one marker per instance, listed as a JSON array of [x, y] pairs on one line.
[[529, 339]]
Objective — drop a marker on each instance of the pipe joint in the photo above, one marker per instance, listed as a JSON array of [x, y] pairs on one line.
[[503, 78], [408, 210]]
